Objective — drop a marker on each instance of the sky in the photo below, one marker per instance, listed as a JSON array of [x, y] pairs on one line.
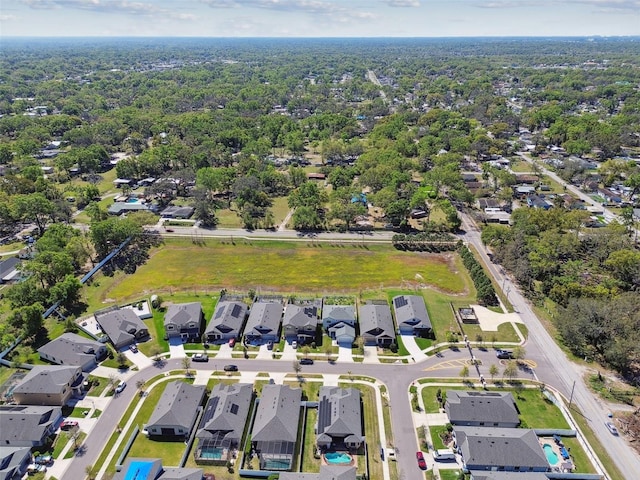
[[318, 18]]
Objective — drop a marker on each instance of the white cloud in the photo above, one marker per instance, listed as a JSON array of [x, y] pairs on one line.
[[611, 5], [403, 3], [7, 18], [109, 6]]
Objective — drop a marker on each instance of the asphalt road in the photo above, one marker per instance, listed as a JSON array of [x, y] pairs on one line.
[[555, 369]]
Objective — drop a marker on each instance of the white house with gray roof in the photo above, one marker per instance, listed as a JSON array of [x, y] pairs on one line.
[[72, 349], [339, 422], [222, 424], [411, 315], [376, 325], [27, 425], [507, 449], [49, 385], [123, 327], [481, 409], [339, 321], [227, 321], [275, 426], [177, 410], [300, 322], [184, 321], [264, 320]]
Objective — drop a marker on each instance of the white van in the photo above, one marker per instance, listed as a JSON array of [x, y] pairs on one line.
[[444, 454]]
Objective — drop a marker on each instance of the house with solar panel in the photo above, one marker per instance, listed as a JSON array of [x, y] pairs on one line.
[[176, 411], [227, 321], [411, 315], [219, 434], [339, 423], [300, 322], [184, 321], [275, 427], [339, 321], [264, 320]]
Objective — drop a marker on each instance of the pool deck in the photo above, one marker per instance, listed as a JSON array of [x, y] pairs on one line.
[[350, 464], [556, 449]]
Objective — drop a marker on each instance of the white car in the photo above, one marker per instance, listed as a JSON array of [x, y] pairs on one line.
[[120, 387], [612, 428], [294, 344]]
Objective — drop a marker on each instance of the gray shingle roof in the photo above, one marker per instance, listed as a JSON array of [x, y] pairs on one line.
[[376, 320], [71, 349], [183, 315], [483, 475], [327, 472], [487, 407], [51, 379], [178, 405], [228, 318], [277, 415], [500, 447], [10, 460], [264, 318], [300, 316], [174, 473], [340, 413], [411, 311], [226, 412], [121, 326], [332, 314], [20, 424]]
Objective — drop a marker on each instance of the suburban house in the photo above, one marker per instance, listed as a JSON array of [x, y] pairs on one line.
[[220, 430], [184, 321], [609, 196], [481, 409], [275, 427], [118, 208], [411, 315], [14, 462], [376, 324], [300, 322], [508, 449], [340, 321], [27, 425], [49, 385], [182, 212], [122, 326], [9, 271], [537, 201], [152, 469], [227, 321], [327, 472], [177, 410], [264, 320], [339, 423], [72, 349], [482, 475]]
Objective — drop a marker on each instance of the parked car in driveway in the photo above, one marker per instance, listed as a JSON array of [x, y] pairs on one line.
[[200, 357], [421, 461], [43, 459], [133, 348], [68, 425], [232, 342], [612, 428]]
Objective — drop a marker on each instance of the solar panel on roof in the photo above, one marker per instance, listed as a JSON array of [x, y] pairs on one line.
[[219, 313], [400, 302], [234, 409]]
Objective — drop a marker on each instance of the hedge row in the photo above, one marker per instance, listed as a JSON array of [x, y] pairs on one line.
[[425, 242], [485, 292]]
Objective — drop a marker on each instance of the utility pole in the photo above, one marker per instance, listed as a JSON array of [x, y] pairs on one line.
[[571, 397]]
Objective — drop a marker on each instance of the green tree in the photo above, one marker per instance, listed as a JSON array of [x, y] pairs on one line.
[[28, 319]]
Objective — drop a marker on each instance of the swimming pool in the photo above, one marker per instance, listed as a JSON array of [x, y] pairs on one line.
[[273, 464], [138, 470], [552, 457], [212, 453], [338, 458]]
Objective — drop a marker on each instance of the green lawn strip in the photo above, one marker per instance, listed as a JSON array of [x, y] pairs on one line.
[[578, 456], [61, 440], [77, 412], [596, 445], [449, 474], [310, 464], [71, 452], [280, 209], [371, 431], [436, 433], [11, 247], [345, 268], [386, 411], [98, 384]]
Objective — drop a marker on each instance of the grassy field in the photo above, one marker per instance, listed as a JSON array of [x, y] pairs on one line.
[[243, 264]]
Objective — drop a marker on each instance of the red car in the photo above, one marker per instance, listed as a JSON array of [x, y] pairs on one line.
[[232, 342], [421, 463], [68, 425]]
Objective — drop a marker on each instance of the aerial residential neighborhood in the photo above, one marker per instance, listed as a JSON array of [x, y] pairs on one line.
[[317, 258]]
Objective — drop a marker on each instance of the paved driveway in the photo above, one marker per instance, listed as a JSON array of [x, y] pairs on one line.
[[371, 354], [345, 354], [176, 348], [409, 342]]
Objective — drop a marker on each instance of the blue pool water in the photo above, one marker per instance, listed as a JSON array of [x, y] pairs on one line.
[[138, 471], [133, 200], [212, 453], [271, 464], [337, 458], [552, 457]]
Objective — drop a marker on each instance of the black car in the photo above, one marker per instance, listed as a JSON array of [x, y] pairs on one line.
[[306, 361], [230, 368], [504, 354]]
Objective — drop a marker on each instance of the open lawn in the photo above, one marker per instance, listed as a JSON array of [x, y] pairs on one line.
[[251, 264]]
